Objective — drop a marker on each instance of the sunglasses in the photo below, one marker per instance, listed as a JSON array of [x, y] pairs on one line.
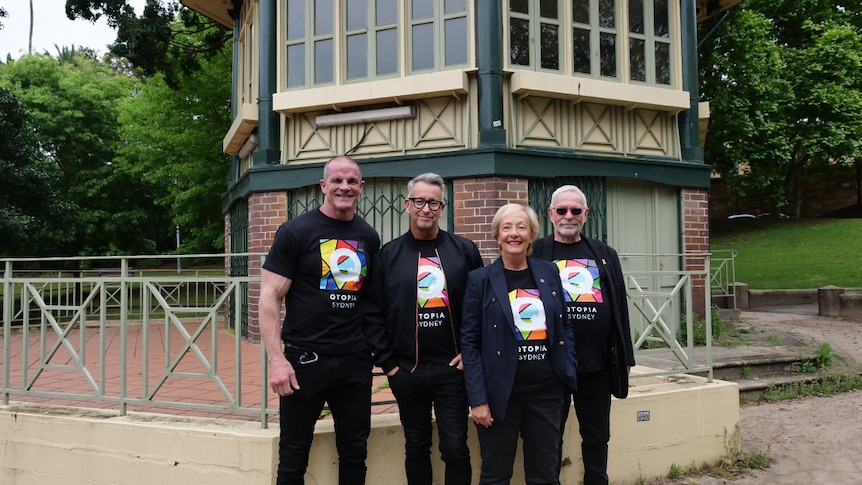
[[561, 211]]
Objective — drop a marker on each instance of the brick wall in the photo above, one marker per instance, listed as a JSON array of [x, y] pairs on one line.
[[476, 202], [266, 211], [695, 229]]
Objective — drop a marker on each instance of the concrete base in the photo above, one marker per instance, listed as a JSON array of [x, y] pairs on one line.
[[682, 420]]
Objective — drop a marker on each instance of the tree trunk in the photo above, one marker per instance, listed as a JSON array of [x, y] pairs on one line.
[[30, 41]]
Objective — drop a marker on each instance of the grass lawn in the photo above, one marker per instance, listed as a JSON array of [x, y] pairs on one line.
[[793, 254]]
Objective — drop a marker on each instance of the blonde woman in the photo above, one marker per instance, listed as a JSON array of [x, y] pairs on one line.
[[518, 353]]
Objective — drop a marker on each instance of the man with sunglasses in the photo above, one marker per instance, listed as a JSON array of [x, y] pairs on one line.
[[417, 286], [595, 296]]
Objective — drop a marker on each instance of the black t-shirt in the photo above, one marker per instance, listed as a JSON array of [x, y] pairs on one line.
[[585, 303], [327, 261], [434, 331], [531, 325]]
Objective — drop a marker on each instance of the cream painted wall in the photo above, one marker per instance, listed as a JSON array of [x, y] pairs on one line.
[[690, 422]]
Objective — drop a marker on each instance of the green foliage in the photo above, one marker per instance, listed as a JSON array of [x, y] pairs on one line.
[[826, 386], [154, 41], [765, 249], [73, 106], [722, 333], [822, 360], [785, 100], [29, 207], [172, 142], [675, 472]]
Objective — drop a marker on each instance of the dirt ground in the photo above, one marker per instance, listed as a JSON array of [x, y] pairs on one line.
[[815, 440]]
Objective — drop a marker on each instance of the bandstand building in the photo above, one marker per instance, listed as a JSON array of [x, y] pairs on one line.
[[506, 99]]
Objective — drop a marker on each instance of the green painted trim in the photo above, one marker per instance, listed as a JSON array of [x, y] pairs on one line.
[[689, 122], [481, 162], [268, 151], [489, 77]]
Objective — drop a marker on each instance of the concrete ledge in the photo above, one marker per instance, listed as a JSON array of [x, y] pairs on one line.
[[766, 298], [681, 420]]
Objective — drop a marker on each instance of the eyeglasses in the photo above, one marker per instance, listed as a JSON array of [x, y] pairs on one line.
[[419, 203], [561, 211]]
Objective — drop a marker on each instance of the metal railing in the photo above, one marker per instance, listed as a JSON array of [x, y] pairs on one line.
[[130, 334], [722, 279], [661, 311], [122, 332]]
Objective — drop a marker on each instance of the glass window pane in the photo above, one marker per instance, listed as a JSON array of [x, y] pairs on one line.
[[607, 14], [423, 46], [520, 6], [519, 40], [387, 51], [662, 22], [608, 54], [581, 11], [456, 41], [422, 9], [662, 63], [387, 12], [454, 6], [548, 9], [357, 56], [323, 18], [637, 59], [636, 16], [581, 51], [323, 61], [550, 46], [295, 65], [356, 14], [295, 19]]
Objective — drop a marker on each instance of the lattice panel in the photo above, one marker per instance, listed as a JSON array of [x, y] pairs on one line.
[[540, 123], [595, 128], [652, 133], [440, 123], [595, 188]]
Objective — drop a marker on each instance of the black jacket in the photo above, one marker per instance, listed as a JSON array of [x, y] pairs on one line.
[[622, 350], [391, 305]]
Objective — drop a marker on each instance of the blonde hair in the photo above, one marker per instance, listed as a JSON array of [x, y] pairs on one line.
[[513, 207]]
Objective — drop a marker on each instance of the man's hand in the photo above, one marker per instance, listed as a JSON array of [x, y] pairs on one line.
[[393, 371], [282, 378], [456, 362], [482, 415]]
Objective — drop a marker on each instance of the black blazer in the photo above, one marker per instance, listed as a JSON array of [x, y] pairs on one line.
[[622, 350], [489, 348]]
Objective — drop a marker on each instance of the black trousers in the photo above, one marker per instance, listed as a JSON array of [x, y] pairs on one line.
[[535, 417], [593, 409], [342, 381], [442, 387]]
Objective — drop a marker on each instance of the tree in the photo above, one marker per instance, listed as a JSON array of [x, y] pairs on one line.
[[155, 41], [173, 139], [785, 97], [74, 106], [29, 207]]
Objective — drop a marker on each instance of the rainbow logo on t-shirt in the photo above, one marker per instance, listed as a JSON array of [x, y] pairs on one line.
[[343, 265], [580, 279], [431, 284], [529, 313]]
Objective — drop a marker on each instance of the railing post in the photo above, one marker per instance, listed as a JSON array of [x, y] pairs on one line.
[[8, 308]]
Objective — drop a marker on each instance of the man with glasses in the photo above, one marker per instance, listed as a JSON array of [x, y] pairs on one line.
[[417, 286], [595, 296]]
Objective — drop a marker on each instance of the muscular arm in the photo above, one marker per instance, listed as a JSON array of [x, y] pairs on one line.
[[274, 287]]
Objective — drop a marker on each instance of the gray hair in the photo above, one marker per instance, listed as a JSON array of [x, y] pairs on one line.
[[429, 178], [569, 188]]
